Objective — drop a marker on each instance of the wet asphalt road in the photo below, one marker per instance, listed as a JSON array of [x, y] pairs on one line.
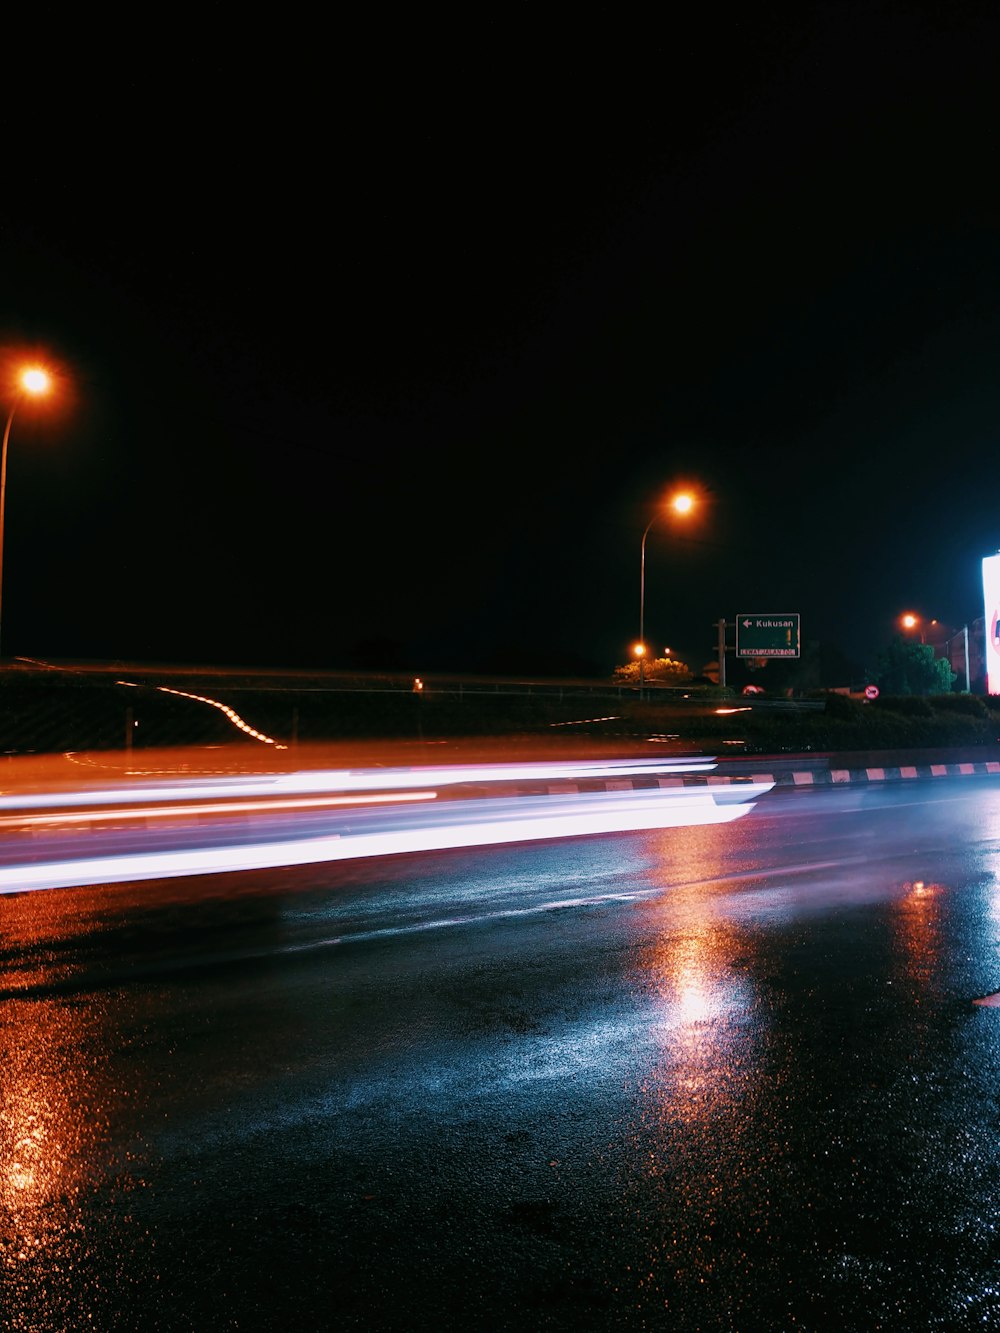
[[712, 1078]]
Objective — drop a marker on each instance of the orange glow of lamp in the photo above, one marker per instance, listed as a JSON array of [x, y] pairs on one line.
[[32, 382], [911, 621]]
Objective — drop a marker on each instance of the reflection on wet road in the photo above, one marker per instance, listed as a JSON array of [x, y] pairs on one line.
[[716, 1076]]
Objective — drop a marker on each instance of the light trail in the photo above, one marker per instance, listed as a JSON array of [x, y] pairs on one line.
[[458, 824], [344, 780], [54, 819], [230, 713]]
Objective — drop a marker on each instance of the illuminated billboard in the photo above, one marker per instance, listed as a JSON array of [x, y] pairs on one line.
[[991, 594]]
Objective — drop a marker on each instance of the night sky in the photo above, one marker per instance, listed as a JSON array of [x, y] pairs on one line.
[[380, 345]]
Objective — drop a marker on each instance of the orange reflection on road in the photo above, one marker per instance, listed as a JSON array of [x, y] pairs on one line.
[[50, 1128], [66, 1072], [917, 929], [699, 995], [698, 1131]]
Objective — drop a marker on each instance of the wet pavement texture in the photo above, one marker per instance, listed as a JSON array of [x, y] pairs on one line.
[[713, 1078]]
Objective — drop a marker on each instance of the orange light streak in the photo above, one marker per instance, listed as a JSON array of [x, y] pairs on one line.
[[218, 807]]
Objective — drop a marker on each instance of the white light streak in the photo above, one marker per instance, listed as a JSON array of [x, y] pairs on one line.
[[543, 818], [345, 780]]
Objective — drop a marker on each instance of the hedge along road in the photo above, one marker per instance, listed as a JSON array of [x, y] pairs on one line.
[[110, 706]]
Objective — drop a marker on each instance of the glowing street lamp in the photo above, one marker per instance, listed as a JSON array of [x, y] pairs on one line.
[[910, 621], [33, 382], [681, 503]]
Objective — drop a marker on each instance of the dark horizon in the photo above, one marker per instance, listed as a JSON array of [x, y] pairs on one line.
[[402, 361]]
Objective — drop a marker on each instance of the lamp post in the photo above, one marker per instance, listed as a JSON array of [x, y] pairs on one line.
[[640, 652], [32, 382], [681, 503]]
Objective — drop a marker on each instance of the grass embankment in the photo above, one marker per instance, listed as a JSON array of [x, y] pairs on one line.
[[46, 712]]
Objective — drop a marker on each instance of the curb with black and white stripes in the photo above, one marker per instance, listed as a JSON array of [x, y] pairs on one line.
[[835, 777], [793, 777]]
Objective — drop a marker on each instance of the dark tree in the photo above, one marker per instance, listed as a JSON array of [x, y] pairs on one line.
[[905, 667]]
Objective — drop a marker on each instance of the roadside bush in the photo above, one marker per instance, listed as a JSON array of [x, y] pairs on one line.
[[907, 705], [970, 705], [843, 707], [960, 729]]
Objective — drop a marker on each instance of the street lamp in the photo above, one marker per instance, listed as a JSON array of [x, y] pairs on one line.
[[681, 503], [910, 621], [32, 382], [941, 640]]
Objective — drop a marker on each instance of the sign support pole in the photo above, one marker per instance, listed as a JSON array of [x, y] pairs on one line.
[[722, 652]]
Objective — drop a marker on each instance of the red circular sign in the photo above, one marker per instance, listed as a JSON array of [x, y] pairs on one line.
[[871, 691]]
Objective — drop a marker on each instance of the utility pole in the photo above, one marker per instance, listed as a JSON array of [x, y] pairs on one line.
[[722, 652], [964, 631]]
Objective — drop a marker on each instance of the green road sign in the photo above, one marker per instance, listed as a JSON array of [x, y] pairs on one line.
[[775, 635]]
